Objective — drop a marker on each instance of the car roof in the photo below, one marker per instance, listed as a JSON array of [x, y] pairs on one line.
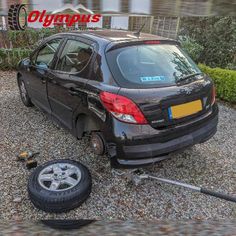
[[115, 35], [114, 38], [120, 35]]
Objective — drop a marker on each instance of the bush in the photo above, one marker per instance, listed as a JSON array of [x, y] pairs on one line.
[[217, 36], [29, 38], [192, 48], [9, 58], [225, 81]]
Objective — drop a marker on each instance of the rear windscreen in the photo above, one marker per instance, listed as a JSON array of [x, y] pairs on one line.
[[150, 65]]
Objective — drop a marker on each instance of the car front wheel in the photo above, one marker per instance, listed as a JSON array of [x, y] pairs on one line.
[[23, 93]]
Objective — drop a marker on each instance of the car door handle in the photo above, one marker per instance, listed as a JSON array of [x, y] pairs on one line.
[[73, 92], [52, 80], [43, 80]]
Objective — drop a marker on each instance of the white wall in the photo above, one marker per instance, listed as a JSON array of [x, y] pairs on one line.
[[49, 5], [41, 5], [3, 5], [111, 5], [120, 22], [140, 6], [96, 24]]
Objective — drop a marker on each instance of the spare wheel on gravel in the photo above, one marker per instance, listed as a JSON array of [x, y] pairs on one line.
[[59, 186]]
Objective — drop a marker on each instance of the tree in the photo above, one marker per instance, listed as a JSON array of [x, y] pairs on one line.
[[217, 36]]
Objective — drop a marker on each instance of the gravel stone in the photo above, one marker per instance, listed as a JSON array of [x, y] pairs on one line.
[[17, 199], [212, 165], [128, 228]]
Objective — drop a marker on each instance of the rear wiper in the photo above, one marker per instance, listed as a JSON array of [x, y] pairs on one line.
[[188, 76]]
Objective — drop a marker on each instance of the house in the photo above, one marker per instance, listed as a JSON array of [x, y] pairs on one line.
[[124, 14], [131, 14]]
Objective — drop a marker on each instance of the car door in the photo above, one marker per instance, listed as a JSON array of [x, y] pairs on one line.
[[41, 64], [69, 77]]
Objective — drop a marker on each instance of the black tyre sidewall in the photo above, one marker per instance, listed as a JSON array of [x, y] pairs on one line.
[[26, 102], [59, 201], [13, 17], [66, 224]]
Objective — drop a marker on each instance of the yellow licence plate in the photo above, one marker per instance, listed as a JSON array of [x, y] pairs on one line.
[[186, 109]]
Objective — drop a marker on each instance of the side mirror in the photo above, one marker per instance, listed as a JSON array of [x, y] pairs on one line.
[[42, 66]]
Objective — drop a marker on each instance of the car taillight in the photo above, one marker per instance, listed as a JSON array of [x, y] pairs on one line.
[[122, 108], [152, 42], [213, 99]]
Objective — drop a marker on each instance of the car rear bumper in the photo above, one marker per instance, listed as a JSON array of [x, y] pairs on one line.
[[135, 152]]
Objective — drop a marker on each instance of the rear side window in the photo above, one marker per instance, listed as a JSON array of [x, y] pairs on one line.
[[46, 54], [150, 65], [75, 56]]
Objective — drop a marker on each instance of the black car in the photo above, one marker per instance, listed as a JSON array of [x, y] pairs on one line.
[[139, 96]]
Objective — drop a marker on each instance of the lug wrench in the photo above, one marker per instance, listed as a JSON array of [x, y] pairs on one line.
[[136, 179]]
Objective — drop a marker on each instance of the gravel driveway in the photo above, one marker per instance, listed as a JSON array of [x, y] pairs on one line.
[[212, 164]]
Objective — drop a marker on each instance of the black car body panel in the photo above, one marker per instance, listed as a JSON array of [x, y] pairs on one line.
[[155, 102], [73, 100]]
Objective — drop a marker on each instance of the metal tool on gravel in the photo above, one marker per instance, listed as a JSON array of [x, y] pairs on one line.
[[138, 177], [28, 158]]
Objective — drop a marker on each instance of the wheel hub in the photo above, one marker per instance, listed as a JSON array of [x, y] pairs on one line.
[[59, 177], [97, 144]]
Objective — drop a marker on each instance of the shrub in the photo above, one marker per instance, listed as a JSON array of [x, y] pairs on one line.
[[30, 37], [9, 58], [225, 81], [192, 48], [217, 36]]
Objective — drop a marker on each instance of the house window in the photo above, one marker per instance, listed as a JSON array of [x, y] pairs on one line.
[[111, 5], [41, 5], [83, 2], [140, 6], [125, 6], [96, 5], [68, 1]]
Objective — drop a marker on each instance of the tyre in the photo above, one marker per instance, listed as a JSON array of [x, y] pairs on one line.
[[23, 93], [14, 20], [59, 186], [66, 224]]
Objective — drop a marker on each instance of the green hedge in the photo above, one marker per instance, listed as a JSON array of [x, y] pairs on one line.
[[225, 81], [9, 58], [30, 37]]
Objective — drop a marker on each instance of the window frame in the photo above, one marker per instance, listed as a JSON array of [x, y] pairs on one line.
[[88, 42], [42, 45], [123, 82]]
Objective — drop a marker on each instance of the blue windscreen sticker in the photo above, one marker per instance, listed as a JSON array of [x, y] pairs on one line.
[[152, 79]]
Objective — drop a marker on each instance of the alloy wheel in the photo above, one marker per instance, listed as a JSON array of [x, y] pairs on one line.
[[59, 177], [23, 91]]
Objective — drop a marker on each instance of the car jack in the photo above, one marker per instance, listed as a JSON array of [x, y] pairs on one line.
[[137, 177]]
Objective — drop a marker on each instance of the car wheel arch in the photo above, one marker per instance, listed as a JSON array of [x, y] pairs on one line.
[[19, 75], [85, 124]]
